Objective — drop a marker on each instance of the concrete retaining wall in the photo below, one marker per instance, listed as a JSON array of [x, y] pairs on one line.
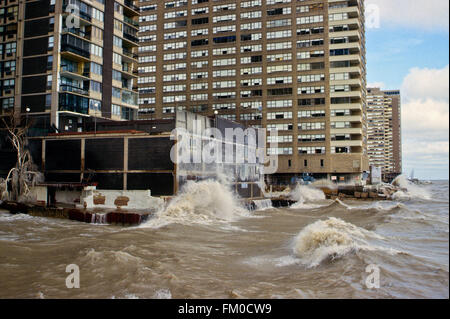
[[110, 199]]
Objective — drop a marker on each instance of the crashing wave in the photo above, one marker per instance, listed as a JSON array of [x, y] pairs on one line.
[[409, 190], [201, 203], [331, 239], [307, 197]]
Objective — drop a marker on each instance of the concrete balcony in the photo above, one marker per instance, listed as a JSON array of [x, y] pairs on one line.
[[128, 56], [73, 89], [349, 57], [357, 94], [130, 9], [356, 130], [353, 69], [350, 118], [351, 82], [348, 45], [352, 21], [355, 143], [75, 75], [350, 33], [349, 106], [351, 9]]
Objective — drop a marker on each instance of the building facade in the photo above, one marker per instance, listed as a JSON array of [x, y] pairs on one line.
[[385, 130], [297, 67], [66, 62]]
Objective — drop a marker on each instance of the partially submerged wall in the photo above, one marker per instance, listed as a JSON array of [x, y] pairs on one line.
[[92, 198]]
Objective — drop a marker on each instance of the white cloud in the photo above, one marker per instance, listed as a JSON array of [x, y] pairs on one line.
[[429, 14], [425, 118], [425, 109], [427, 84], [430, 149]]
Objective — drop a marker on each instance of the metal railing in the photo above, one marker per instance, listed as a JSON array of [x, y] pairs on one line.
[[73, 89]]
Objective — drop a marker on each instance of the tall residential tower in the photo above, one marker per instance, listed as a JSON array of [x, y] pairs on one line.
[[294, 66], [385, 130], [66, 62]]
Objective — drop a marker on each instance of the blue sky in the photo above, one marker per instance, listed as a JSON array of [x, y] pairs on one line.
[[409, 50], [392, 52]]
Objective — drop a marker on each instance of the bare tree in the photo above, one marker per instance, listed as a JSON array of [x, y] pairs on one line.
[[16, 186]]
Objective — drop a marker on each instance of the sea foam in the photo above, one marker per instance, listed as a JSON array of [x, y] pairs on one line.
[[410, 191], [331, 239], [307, 197], [200, 203]]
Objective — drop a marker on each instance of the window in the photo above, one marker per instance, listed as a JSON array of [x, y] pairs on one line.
[[95, 105], [284, 91], [50, 62], [51, 41], [96, 50], [8, 103], [96, 68], [96, 86], [311, 150], [49, 82], [10, 48]]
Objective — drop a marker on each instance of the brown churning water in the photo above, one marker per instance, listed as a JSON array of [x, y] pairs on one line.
[[204, 245]]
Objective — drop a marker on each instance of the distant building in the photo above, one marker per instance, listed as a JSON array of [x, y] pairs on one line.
[[384, 130], [65, 62], [298, 67]]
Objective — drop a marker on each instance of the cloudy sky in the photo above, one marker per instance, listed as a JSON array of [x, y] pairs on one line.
[[408, 49]]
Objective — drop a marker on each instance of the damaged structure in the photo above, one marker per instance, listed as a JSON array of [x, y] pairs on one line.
[[130, 164]]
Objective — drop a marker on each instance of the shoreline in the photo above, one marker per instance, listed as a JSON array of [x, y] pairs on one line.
[[124, 217]]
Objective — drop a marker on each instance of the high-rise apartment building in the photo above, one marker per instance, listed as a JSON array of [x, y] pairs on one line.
[[9, 29], [294, 66], [66, 62], [384, 130]]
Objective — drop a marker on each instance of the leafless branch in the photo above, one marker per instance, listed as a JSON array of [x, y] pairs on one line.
[[20, 178]]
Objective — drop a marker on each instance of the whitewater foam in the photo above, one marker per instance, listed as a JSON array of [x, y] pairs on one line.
[[263, 204], [200, 203], [93, 257], [331, 239], [307, 197], [377, 206], [410, 191]]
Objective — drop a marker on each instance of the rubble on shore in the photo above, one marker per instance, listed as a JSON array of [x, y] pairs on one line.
[[378, 192]]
